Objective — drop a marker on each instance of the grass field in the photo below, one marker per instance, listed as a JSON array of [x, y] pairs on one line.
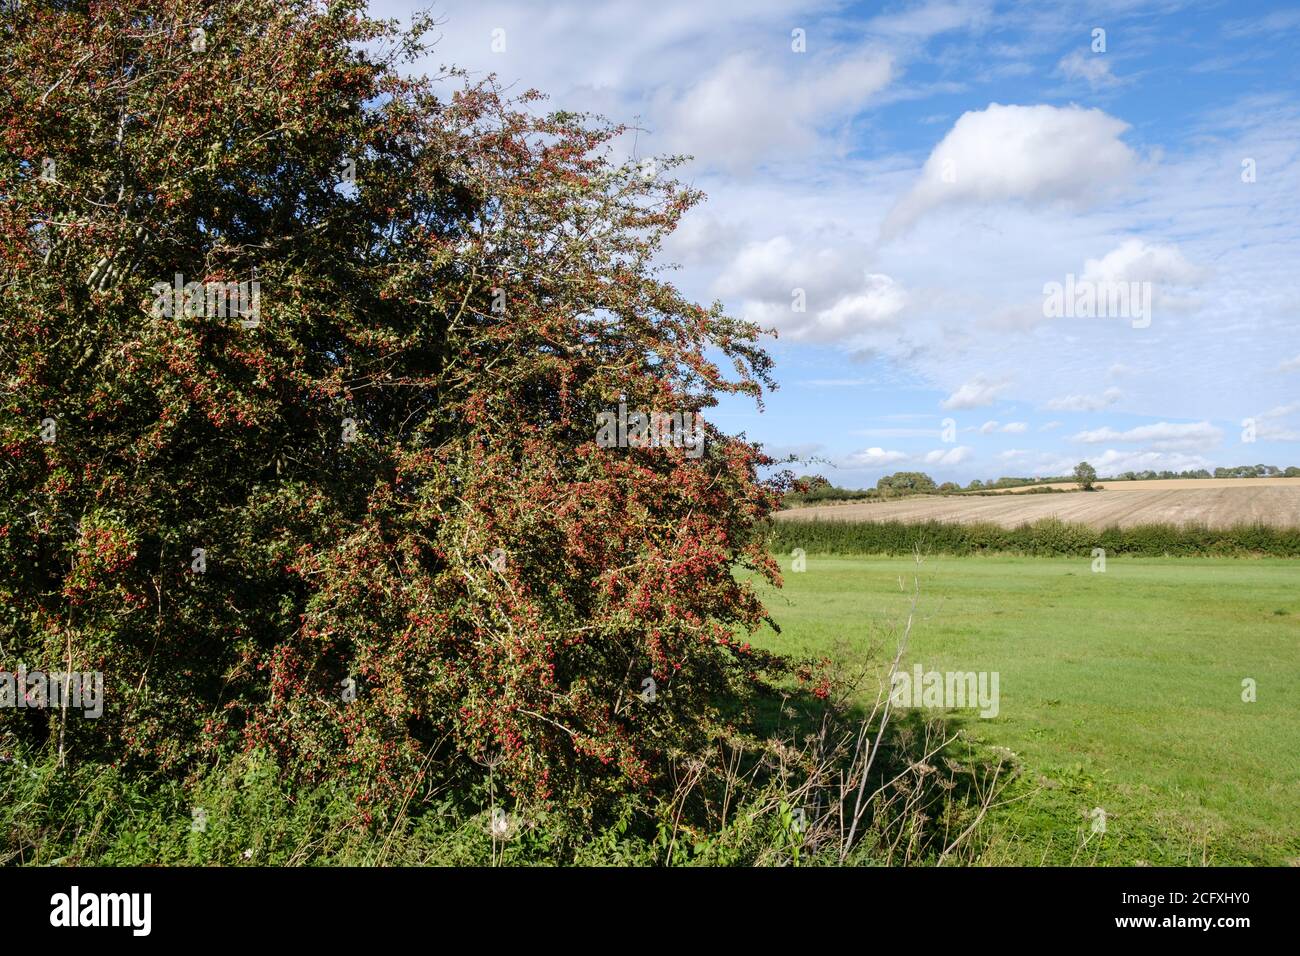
[[1120, 690], [1214, 507]]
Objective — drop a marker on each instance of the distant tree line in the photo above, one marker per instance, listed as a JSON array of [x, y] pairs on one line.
[[1240, 471], [816, 489]]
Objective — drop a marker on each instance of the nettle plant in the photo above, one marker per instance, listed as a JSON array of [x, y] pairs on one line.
[[373, 534]]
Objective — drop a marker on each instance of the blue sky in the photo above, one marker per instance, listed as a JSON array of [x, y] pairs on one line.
[[923, 171]]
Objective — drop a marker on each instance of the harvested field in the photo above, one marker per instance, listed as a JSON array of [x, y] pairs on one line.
[[1167, 484], [1216, 507]]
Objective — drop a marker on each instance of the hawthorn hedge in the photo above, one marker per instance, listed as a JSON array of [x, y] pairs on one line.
[[1048, 537], [363, 524]]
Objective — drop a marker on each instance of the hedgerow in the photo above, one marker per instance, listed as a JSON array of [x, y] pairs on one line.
[[1048, 537]]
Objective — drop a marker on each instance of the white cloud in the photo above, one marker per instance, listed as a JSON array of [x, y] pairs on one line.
[[1270, 432], [1268, 429], [877, 303], [973, 394], [1163, 436], [874, 458], [840, 297], [930, 19], [1085, 403], [1277, 21], [768, 271], [1092, 67], [1290, 365], [1011, 428], [1113, 462], [747, 108], [703, 239], [1037, 154], [1132, 278], [946, 457], [879, 457], [698, 78], [1280, 411], [1135, 260]]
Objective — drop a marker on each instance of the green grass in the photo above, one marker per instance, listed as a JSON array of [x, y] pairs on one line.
[[1120, 690]]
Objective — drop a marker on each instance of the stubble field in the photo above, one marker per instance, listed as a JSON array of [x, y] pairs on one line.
[[1214, 504]]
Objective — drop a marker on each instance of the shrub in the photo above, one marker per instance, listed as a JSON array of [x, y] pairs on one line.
[[371, 535]]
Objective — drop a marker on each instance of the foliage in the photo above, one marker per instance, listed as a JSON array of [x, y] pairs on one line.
[[810, 492], [906, 481], [389, 480], [1085, 475], [1049, 536], [753, 807]]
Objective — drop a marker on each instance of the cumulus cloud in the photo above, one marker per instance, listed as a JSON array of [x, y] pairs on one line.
[[748, 108], [1085, 403], [1290, 365], [839, 297], [1129, 281], [703, 238], [1037, 154], [1162, 436], [974, 394], [1135, 260]]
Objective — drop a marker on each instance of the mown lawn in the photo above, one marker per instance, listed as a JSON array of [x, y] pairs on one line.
[[1120, 690]]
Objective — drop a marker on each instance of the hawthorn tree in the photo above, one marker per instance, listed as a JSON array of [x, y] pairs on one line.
[[360, 521]]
